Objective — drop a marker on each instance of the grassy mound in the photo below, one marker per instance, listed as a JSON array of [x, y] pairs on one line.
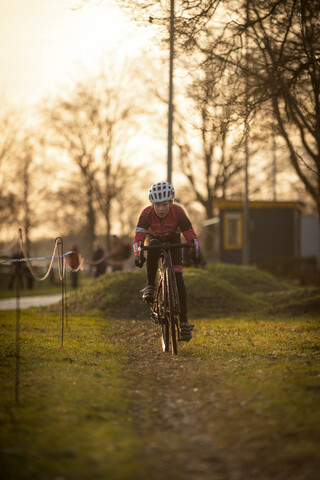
[[211, 296], [216, 291], [294, 302], [248, 280], [113, 294]]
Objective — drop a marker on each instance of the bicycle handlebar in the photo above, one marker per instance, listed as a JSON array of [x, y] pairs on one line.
[[163, 246], [166, 246]]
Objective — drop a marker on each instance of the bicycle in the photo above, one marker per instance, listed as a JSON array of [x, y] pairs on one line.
[[165, 309]]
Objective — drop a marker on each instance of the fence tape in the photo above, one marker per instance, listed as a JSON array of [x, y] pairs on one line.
[[32, 259], [33, 273], [83, 260]]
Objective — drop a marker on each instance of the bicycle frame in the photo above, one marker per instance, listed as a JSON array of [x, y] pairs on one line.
[[167, 304], [165, 309]]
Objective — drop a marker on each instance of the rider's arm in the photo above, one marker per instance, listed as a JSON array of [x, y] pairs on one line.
[[141, 230], [187, 229], [139, 237], [189, 235]]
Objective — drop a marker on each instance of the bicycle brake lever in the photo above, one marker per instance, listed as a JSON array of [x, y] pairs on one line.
[[141, 259]]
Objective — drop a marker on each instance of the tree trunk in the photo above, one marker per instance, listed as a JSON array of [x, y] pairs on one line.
[[91, 222], [209, 242]]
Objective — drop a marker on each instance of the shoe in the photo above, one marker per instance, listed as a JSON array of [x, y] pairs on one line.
[[185, 330], [148, 294]]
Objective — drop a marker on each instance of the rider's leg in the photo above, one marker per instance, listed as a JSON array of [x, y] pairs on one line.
[[182, 296], [152, 261], [185, 326], [151, 267], [177, 265]]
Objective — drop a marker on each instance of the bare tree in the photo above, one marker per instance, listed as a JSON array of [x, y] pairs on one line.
[[282, 69], [92, 124], [10, 126], [24, 210], [117, 109], [71, 133], [191, 17], [25, 187], [281, 66], [210, 147], [31, 209]]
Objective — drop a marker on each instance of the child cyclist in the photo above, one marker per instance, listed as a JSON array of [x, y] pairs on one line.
[[162, 222]]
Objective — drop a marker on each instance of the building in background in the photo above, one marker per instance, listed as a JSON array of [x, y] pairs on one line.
[[281, 240], [310, 238]]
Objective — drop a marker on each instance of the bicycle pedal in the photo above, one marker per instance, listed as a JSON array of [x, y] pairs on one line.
[[154, 318], [162, 322]]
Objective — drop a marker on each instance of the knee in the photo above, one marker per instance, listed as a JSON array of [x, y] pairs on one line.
[[179, 278]]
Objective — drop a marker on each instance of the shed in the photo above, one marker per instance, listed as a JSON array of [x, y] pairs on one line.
[[310, 238], [274, 231]]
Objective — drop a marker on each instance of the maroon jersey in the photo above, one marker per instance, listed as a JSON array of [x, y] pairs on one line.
[[163, 228]]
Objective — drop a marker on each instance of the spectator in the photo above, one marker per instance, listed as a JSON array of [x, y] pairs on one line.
[[118, 253], [99, 259], [16, 269], [28, 275], [74, 262]]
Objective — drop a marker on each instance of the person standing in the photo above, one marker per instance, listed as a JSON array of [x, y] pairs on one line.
[[99, 260], [16, 269], [74, 262]]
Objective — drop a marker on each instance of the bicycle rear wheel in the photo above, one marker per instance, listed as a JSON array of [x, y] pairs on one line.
[[171, 312]]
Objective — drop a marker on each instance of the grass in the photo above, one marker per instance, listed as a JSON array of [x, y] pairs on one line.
[[251, 386], [45, 287], [249, 381], [72, 414], [272, 367]]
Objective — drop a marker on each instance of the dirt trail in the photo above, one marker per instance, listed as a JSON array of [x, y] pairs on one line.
[[183, 410]]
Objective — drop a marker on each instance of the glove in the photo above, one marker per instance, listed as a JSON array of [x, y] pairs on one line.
[[139, 262], [196, 257]]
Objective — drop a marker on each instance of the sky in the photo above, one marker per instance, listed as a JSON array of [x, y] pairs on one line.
[[43, 42]]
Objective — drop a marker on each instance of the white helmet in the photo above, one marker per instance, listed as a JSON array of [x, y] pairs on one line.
[[161, 192]]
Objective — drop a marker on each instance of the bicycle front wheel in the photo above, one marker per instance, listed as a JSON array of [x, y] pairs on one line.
[[165, 335], [171, 312], [158, 311]]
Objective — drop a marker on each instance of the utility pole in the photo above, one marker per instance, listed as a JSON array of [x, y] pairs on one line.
[[170, 110], [246, 219], [274, 165]]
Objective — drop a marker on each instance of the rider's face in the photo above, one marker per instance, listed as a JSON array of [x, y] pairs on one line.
[[162, 208]]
